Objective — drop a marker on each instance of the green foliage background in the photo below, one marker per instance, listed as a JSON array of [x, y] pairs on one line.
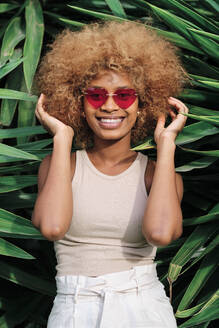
[[27, 260]]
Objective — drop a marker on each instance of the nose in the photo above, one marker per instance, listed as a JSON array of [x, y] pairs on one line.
[[110, 105]]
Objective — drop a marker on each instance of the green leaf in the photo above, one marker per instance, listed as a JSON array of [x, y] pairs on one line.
[[214, 153], [206, 269], [208, 35], [189, 134], [33, 41], [35, 145], [26, 114], [214, 120], [197, 164], [28, 280], [13, 35], [9, 67], [63, 20], [197, 238], [16, 182], [209, 46], [97, 14], [7, 7], [178, 40], [212, 5], [187, 11], [195, 132], [12, 94], [194, 65], [13, 152], [209, 312], [8, 249], [8, 106], [201, 111], [199, 97], [19, 132], [15, 226], [174, 22], [116, 8], [30, 166]]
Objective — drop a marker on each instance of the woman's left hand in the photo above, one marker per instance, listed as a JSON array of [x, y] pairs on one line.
[[178, 121]]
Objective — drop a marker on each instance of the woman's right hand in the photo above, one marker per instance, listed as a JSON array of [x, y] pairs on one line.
[[50, 123]]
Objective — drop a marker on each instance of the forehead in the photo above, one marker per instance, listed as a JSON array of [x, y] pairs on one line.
[[111, 78]]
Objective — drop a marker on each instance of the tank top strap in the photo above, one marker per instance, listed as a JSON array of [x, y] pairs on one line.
[[143, 166], [78, 167]]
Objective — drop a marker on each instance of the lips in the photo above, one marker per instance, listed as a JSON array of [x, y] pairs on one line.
[[110, 122]]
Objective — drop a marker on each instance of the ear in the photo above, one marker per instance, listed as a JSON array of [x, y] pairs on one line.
[[83, 114]]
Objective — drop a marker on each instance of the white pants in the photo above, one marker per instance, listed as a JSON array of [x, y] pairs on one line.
[[127, 299]]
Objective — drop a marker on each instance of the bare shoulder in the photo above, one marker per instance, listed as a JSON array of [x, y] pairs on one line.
[[149, 174], [44, 169]]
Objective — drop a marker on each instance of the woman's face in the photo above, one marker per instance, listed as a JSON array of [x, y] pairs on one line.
[[110, 121]]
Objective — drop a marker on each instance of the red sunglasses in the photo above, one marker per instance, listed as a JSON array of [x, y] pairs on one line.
[[124, 98]]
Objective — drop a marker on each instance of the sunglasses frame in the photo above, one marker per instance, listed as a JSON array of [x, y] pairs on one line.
[[125, 105]]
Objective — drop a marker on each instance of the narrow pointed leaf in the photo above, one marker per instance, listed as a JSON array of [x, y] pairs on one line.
[[8, 249], [26, 114], [197, 164], [207, 34], [14, 152], [7, 7], [8, 106], [206, 269], [195, 132], [209, 313], [28, 280], [210, 119], [15, 226], [13, 35], [214, 153], [174, 22], [9, 67], [16, 182], [181, 7], [200, 98], [97, 14], [12, 94], [178, 40], [33, 41], [210, 47], [197, 238], [202, 111], [19, 132], [62, 19], [116, 8]]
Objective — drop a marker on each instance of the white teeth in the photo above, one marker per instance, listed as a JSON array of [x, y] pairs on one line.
[[111, 120]]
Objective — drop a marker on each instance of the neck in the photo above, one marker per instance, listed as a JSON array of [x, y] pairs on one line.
[[110, 150]]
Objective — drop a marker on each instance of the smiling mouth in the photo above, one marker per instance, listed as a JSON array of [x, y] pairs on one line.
[[110, 123]]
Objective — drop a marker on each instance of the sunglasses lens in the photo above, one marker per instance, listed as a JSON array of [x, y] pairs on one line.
[[96, 97], [125, 97]]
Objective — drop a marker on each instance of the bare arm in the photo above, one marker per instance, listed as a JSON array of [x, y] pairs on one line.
[[54, 205], [162, 221]]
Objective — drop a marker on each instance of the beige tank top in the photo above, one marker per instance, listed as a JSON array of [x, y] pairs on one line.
[[105, 233]]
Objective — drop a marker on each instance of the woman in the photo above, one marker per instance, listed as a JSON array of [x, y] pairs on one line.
[[106, 207]]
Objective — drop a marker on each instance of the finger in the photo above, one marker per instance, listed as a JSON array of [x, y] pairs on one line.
[[179, 105], [172, 113], [41, 103]]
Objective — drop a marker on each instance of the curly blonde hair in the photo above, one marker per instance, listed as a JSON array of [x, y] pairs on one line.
[[76, 58]]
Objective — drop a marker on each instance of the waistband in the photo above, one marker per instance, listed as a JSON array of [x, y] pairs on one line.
[[138, 276]]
